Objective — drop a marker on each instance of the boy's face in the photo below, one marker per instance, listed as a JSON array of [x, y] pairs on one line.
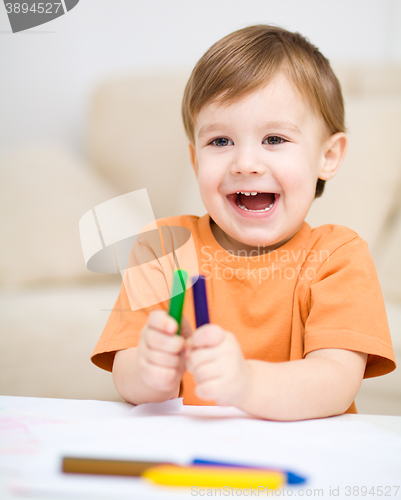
[[268, 142]]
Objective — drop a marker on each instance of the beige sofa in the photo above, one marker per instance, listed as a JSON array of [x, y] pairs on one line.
[[54, 309]]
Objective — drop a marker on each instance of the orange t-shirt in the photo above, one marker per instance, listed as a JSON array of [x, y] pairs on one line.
[[319, 290]]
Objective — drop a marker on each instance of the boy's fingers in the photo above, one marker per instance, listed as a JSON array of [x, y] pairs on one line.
[[162, 321], [206, 371], [182, 365], [161, 342], [208, 390], [199, 356], [186, 329], [207, 336], [161, 358], [159, 377]]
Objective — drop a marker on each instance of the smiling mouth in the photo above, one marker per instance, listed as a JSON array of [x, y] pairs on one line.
[[253, 201]]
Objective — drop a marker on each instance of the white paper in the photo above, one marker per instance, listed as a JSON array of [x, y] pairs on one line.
[[37, 433]]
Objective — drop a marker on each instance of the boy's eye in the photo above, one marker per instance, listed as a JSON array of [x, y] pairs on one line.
[[274, 139], [222, 141]]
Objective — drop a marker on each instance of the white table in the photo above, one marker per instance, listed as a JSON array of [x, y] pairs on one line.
[[340, 456]]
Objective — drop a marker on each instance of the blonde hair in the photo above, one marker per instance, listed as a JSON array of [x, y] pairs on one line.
[[245, 60]]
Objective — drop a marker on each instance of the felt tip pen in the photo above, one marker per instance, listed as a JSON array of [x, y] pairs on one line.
[[218, 477], [207, 471], [178, 296], [106, 467], [291, 477], [200, 300]]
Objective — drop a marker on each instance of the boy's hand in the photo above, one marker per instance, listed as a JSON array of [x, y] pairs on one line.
[[218, 366], [160, 351]]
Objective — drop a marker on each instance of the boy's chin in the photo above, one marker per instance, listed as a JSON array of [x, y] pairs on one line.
[[251, 243]]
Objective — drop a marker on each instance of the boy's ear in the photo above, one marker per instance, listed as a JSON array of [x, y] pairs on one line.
[[194, 160], [334, 152]]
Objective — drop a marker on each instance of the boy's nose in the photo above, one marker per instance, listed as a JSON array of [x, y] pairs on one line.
[[246, 162]]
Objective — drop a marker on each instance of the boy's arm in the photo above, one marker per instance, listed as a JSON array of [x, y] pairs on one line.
[[129, 383], [322, 384]]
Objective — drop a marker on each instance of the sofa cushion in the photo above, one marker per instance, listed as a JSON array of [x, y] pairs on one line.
[[388, 263], [44, 192], [45, 352]]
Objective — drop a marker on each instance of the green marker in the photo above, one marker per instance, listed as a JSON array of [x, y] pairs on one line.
[[177, 299]]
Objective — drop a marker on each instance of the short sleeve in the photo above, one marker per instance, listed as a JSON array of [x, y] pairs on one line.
[[346, 308], [144, 288]]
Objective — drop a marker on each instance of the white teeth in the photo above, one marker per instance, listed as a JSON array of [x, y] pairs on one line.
[[248, 193], [264, 210], [254, 193]]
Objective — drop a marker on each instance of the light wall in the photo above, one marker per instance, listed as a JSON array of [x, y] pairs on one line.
[[48, 72]]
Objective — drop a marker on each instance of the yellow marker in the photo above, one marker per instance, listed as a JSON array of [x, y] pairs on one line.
[[217, 477]]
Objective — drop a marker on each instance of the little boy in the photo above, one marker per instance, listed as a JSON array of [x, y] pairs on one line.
[[297, 317]]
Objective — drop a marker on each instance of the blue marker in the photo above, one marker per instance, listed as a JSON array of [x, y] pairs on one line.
[[291, 477], [200, 301]]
